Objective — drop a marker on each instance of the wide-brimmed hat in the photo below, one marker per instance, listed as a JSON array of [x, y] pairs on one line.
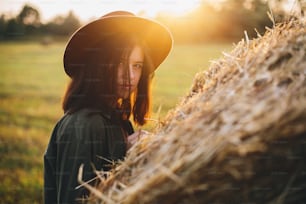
[[157, 38]]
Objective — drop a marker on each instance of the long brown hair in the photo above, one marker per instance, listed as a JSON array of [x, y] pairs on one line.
[[94, 85]]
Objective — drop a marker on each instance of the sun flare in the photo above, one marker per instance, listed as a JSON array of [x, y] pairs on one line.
[[96, 8], [92, 9]]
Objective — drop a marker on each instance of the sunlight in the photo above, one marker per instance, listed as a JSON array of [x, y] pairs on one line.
[[140, 7], [92, 9], [145, 8]]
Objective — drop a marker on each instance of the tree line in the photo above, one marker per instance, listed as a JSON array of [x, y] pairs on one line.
[[225, 21], [230, 20], [27, 24]]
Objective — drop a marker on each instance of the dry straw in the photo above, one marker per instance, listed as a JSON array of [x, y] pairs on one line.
[[239, 136]]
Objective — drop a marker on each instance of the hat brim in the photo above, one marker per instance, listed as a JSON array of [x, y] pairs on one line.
[[157, 37]]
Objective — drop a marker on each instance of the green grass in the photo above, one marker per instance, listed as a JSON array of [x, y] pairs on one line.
[[31, 86]]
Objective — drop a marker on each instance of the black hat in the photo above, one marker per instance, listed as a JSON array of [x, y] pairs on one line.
[[157, 37]]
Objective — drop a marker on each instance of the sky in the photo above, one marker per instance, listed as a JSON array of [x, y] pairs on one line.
[[91, 9]]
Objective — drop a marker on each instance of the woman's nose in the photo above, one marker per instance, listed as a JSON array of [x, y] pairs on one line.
[[131, 72]]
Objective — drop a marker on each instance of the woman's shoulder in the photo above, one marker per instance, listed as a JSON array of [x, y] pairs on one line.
[[83, 119], [80, 125]]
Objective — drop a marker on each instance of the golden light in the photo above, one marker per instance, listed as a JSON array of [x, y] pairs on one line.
[[92, 9], [96, 8]]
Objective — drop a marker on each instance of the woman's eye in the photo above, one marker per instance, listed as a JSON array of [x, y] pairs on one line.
[[139, 66]]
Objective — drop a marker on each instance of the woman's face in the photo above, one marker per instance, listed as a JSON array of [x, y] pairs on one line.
[[129, 73]]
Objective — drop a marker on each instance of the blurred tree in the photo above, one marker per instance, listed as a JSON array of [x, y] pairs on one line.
[[62, 25], [29, 16], [2, 26], [29, 20], [27, 23], [13, 29], [245, 15], [71, 23]]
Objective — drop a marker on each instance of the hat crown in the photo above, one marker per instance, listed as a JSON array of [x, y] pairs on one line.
[[118, 13]]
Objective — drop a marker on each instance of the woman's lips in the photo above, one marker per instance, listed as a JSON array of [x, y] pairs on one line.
[[126, 86]]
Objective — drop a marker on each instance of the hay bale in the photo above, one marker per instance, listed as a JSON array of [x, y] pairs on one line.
[[239, 136]]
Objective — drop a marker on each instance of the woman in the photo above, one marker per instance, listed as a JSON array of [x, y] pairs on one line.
[[111, 62]]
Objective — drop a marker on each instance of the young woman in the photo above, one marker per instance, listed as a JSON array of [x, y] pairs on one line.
[[111, 62]]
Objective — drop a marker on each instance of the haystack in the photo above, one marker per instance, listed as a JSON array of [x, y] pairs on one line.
[[239, 136]]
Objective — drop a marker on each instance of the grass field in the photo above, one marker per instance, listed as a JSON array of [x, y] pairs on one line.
[[31, 86]]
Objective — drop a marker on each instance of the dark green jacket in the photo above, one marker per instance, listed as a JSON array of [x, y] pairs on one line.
[[84, 137]]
